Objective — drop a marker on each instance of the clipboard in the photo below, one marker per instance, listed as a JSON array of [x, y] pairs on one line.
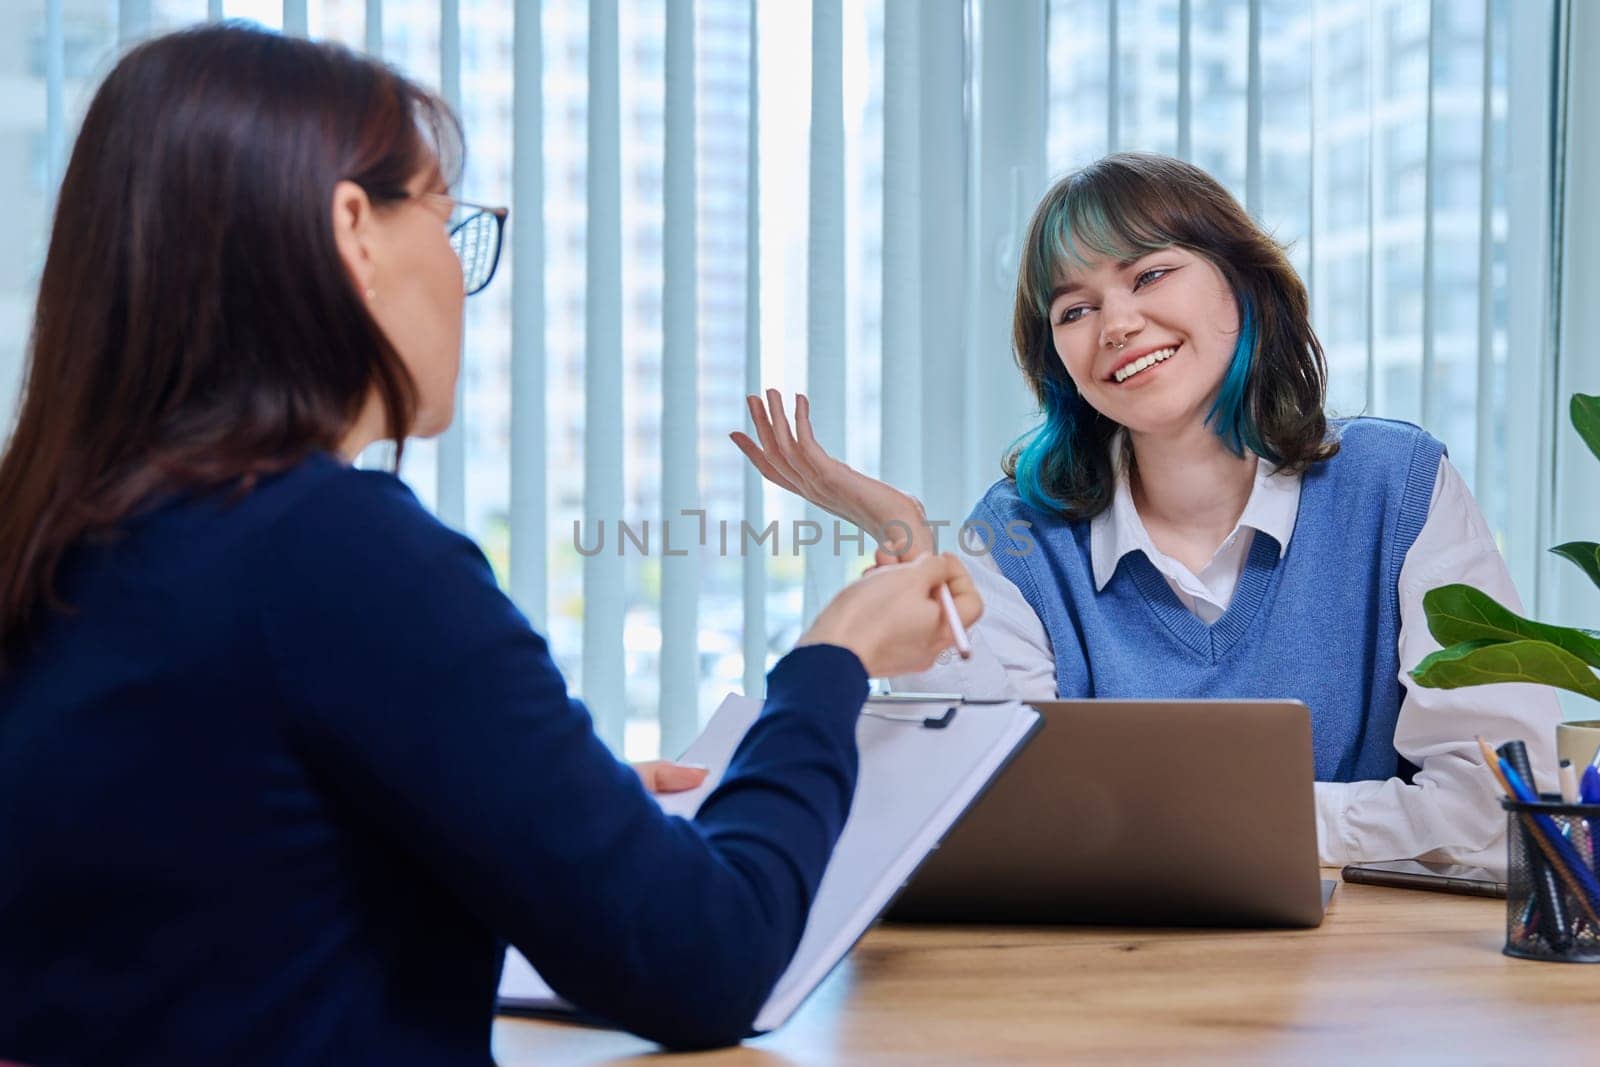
[[913, 785]]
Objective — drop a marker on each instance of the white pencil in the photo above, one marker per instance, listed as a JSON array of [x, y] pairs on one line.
[[958, 631]]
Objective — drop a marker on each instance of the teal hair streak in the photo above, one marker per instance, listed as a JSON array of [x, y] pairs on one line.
[[1228, 415], [1047, 449]]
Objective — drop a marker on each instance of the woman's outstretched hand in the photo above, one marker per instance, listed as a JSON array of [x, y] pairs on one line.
[[793, 460], [891, 617]]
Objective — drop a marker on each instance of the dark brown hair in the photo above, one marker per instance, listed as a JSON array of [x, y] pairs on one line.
[[1124, 206], [196, 327]]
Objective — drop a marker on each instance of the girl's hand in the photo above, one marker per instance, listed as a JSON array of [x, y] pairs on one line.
[[793, 460]]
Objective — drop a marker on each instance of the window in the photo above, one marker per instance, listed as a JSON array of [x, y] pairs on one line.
[[1339, 176]]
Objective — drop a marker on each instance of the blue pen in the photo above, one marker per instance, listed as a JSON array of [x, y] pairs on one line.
[[1543, 868], [1589, 792], [1564, 850]]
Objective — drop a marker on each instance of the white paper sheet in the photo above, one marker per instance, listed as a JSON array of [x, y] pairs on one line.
[[914, 783]]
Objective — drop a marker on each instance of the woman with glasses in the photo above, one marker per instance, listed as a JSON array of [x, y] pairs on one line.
[[281, 769]]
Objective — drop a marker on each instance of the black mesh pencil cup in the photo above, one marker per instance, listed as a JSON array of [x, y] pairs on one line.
[[1552, 889]]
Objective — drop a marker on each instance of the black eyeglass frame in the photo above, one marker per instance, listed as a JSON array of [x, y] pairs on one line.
[[499, 214]]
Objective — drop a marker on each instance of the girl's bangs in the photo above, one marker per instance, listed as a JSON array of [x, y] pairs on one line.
[[1084, 225]]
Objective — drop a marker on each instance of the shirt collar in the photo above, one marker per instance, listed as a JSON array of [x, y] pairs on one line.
[[1272, 509]]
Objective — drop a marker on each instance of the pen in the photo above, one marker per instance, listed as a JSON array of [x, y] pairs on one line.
[[1578, 830], [957, 631], [1564, 861], [1547, 870], [1511, 758], [1589, 790]]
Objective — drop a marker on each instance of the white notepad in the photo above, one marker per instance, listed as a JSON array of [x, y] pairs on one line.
[[914, 783]]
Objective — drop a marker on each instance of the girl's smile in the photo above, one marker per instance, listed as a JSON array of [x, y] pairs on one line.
[[1132, 368]]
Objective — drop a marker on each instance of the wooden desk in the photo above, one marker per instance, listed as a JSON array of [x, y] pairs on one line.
[[1390, 973]]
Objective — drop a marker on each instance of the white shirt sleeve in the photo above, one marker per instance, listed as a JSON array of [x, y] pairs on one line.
[[1450, 812], [1011, 654]]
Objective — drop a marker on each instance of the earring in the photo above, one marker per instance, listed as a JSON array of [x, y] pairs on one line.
[[372, 294]]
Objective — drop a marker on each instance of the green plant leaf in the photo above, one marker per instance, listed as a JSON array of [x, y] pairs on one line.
[[1586, 420], [1585, 554], [1458, 613], [1487, 662]]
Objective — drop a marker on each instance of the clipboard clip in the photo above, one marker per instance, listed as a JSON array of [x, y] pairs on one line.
[[935, 698], [931, 722], [928, 722]]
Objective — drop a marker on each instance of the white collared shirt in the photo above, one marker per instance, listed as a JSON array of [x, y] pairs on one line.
[[1118, 530], [1450, 811]]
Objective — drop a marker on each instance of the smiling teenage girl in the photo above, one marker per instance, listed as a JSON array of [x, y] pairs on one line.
[[1197, 526]]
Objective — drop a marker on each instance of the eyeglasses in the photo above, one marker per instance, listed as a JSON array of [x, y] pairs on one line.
[[476, 234]]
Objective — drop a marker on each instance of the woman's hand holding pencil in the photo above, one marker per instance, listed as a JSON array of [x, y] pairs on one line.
[[898, 619]]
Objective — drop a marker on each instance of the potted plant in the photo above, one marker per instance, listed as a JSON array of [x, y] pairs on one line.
[[1486, 643]]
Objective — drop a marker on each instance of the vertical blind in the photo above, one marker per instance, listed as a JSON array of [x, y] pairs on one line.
[[680, 437], [1409, 164], [752, 567], [825, 262], [529, 485], [603, 660]]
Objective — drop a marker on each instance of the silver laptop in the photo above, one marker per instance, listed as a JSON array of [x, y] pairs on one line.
[[1166, 812]]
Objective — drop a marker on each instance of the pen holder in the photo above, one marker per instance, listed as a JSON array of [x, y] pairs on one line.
[[1552, 892]]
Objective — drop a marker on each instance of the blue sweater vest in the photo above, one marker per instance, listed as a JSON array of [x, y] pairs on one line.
[[1319, 625]]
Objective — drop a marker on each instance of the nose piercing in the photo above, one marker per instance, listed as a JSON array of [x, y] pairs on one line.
[[1118, 345]]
